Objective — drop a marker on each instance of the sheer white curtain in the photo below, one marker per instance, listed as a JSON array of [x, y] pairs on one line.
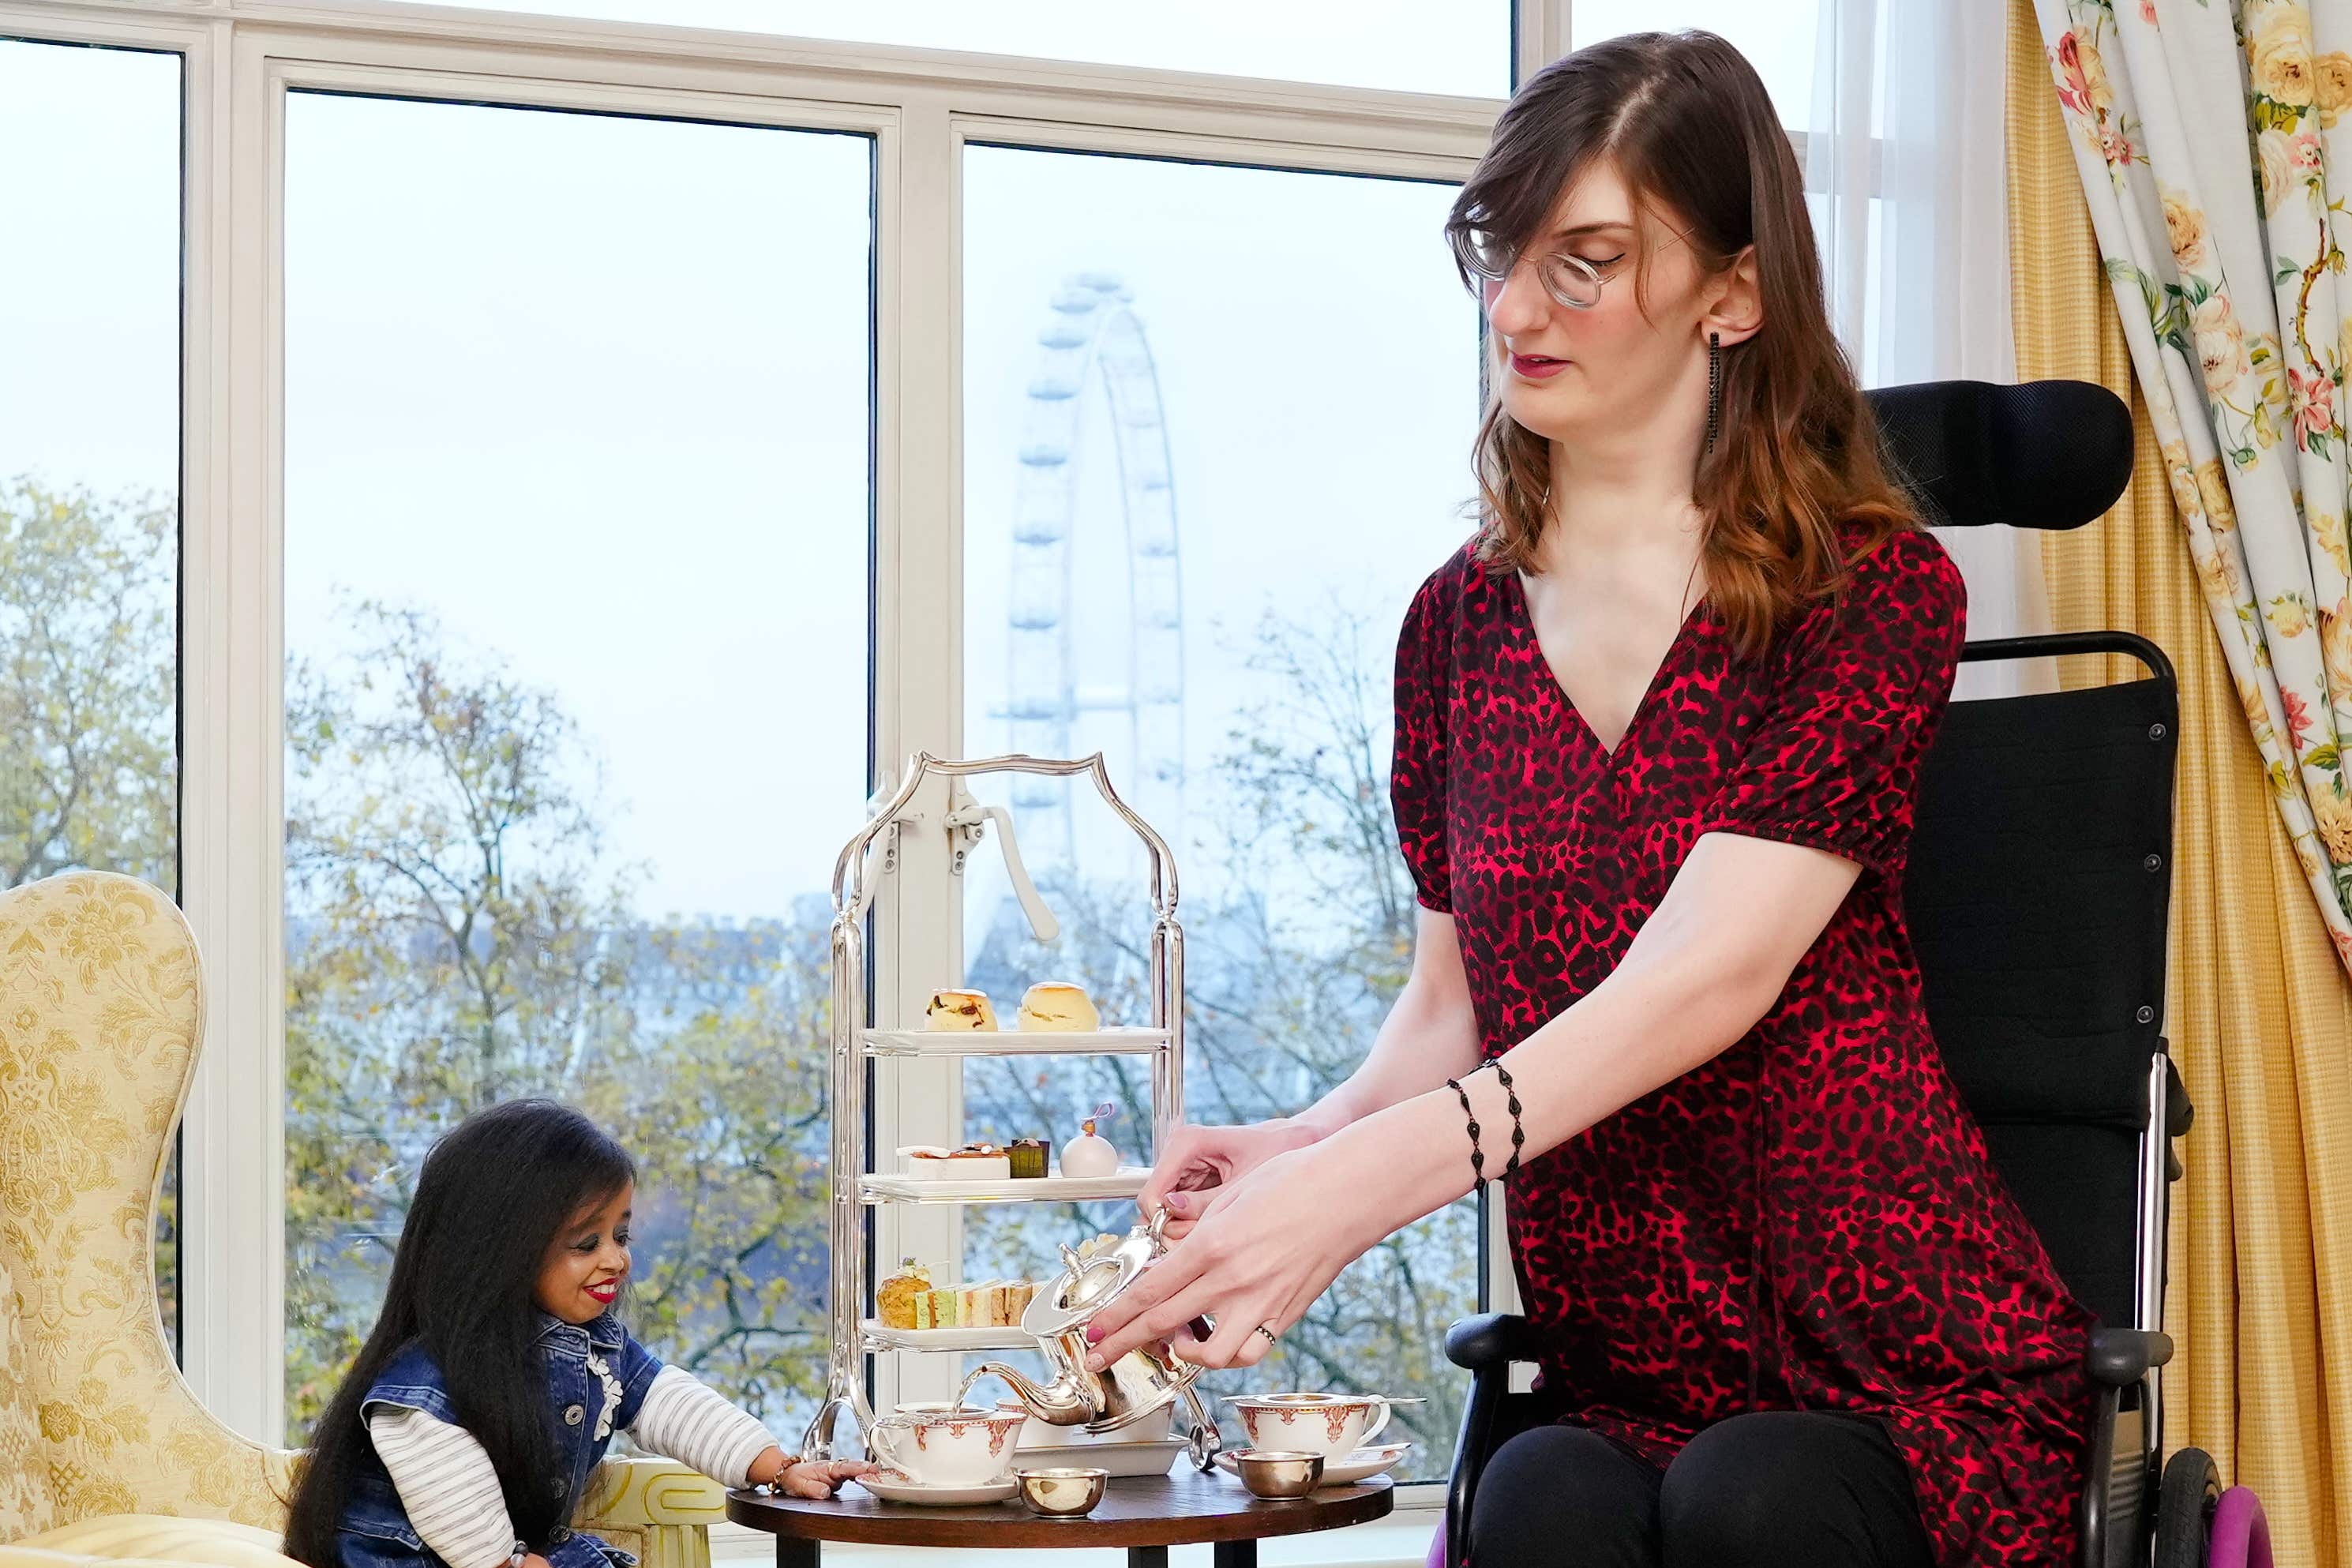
[[1903, 156]]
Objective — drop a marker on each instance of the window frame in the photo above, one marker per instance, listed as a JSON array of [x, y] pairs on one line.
[[920, 107]]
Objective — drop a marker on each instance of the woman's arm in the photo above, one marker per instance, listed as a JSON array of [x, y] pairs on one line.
[[1711, 961], [1428, 1036]]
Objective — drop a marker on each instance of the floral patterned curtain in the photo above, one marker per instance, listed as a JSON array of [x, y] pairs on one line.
[[2206, 135]]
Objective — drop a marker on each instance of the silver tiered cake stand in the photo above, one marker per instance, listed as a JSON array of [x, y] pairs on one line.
[[855, 1190]]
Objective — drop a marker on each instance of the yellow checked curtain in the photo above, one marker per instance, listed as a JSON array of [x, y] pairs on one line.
[[2259, 1010]]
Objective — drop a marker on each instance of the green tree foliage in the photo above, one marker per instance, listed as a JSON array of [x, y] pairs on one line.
[[457, 936], [88, 751]]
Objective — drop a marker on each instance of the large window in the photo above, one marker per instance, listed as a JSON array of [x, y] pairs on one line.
[[89, 478], [606, 455], [1217, 426], [576, 616]]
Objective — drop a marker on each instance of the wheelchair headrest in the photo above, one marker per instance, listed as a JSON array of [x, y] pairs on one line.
[[2042, 454]]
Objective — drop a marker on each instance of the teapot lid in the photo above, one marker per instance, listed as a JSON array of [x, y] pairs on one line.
[[1085, 1284]]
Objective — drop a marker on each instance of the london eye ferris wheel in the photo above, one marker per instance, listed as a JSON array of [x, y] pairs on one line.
[[1092, 339]]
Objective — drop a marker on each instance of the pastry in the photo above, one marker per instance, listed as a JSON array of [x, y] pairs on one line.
[[977, 1162], [1029, 1155], [894, 1297], [930, 1164], [959, 1010], [1087, 1155], [922, 1160], [1056, 1004]]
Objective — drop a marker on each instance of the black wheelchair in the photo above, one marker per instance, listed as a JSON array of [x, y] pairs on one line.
[[2037, 894]]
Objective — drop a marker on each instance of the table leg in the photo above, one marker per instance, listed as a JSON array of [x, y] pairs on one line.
[[1235, 1554], [1147, 1557], [794, 1552]]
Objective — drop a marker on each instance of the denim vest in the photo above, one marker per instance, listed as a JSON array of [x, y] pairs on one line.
[[375, 1532]]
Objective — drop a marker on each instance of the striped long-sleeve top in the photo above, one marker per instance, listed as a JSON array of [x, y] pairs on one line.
[[450, 1489]]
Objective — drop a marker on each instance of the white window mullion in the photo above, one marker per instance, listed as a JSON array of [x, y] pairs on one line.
[[234, 812], [919, 642], [1541, 35]]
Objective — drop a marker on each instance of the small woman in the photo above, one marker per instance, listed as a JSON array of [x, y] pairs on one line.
[[498, 1372], [1658, 730]]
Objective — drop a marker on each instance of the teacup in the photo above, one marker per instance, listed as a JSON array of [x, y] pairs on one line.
[[1332, 1425], [947, 1444]]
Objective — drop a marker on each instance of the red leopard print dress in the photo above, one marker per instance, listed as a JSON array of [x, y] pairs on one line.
[[1809, 1221]]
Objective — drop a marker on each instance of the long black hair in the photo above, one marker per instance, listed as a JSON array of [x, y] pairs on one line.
[[491, 1199]]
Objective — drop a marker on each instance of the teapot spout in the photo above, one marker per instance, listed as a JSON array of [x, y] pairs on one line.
[[1062, 1403]]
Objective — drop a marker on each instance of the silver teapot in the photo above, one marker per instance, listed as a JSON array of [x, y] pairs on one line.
[[1141, 1383]]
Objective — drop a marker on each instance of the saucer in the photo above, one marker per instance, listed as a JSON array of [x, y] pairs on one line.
[[894, 1488], [1362, 1465]]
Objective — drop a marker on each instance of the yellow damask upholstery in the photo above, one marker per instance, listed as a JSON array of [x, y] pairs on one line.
[[101, 1015], [39, 1557], [215, 1543]]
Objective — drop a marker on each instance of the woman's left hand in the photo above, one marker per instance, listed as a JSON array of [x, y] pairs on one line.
[[1266, 1248]]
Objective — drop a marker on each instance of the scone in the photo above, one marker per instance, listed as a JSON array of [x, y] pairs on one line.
[[959, 1010], [894, 1297], [1056, 1004]]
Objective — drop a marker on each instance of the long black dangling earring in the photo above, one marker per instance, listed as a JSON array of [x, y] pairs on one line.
[[1714, 387]]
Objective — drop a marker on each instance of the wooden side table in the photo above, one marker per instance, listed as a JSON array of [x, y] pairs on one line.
[[1146, 1514]]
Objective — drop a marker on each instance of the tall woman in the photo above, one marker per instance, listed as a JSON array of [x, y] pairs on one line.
[[1658, 731]]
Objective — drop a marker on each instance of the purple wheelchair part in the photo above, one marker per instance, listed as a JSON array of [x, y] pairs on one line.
[[2241, 1535]]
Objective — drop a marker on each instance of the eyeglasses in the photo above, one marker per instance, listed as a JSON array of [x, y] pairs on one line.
[[1570, 280]]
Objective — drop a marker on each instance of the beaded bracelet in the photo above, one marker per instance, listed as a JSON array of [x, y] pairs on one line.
[[1477, 1157], [1518, 1133]]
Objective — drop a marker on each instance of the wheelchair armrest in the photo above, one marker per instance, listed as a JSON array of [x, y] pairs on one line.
[[1490, 1341], [2118, 1358], [1485, 1346]]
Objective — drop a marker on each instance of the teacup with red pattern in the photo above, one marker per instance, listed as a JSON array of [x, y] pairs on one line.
[[947, 1444], [1332, 1425]]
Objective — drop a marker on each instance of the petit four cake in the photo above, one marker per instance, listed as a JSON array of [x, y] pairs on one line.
[[959, 1010], [1056, 1004], [1088, 1156], [1029, 1156]]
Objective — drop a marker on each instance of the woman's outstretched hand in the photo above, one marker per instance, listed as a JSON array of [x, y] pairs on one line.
[[1267, 1244], [1200, 1161]]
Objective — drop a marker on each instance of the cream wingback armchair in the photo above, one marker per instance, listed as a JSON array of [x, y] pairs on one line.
[[101, 1015]]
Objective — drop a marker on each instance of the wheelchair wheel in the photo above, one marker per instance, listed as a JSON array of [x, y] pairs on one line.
[[2185, 1502]]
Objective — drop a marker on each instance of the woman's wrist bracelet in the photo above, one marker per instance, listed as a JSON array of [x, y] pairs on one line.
[[1519, 1131], [1477, 1156], [1511, 1097]]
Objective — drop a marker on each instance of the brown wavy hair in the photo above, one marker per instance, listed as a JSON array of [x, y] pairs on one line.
[[1795, 487]]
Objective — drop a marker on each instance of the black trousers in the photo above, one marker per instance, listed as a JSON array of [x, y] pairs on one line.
[[1803, 1489]]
